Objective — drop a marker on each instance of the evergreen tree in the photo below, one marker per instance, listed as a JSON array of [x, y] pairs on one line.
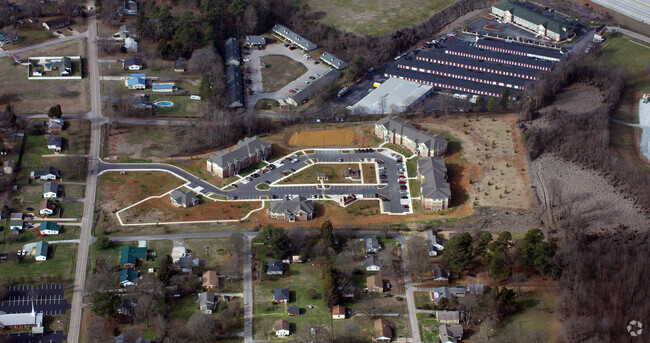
[[505, 95], [482, 244], [329, 294], [105, 303], [492, 103], [326, 233], [55, 112], [458, 251], [277, 240], [527, 247]]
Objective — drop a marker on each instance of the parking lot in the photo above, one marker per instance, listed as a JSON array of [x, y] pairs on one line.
[[45, 298], [27, 337]]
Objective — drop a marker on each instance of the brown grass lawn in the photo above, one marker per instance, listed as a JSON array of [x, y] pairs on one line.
[[116, 191], [318, 138], [369, 173], [155, 143], [161, 210], [37, 96], [333, 171], [279, 71]]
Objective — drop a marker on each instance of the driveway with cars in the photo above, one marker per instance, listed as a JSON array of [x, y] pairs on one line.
[[394, 195], [256, 73]]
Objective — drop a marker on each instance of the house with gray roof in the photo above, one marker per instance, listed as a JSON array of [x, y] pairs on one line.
[[439, 275], [233, 55], [396, 130], [255, 40], [435, 193], [235, 86], [294, 38], [446, 292], [50, 190], [182, 199], [372, 245], [48, 173], [245, 153], [533, 18], [333, 61], [132, 63], [16, 221], [448, 317], [281, 295], [274, 267], [55, 144], [372, 263], [207, 302], [313, 89], [450, 333], [435, 243], [297, 209]]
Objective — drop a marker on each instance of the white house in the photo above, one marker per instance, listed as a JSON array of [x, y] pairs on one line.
[[338, 312], [282, 328], [372, 264], [177, 253], [131, 46], [55, 143], [41, 251], [50, 190]]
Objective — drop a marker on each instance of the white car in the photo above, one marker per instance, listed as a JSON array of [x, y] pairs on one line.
[[246, 60]]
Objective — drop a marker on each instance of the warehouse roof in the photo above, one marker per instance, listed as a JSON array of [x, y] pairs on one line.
[[333, 61], [235, 86], [473, 87], [458, 72], [528, 49], [439, 55], [535, 17], [294, 38], [394, 95], [464, 47]]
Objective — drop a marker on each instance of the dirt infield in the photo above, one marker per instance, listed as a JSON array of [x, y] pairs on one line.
[[335, 137]]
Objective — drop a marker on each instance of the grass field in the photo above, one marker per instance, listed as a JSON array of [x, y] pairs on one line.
[[537, 314], [414, 187], [630, 53], [398, 149], [161, 210], [318, 138], [373, 17], [334, 174], [183, 106], [279, 71], [428, 328], [369, 173], [59, 266]]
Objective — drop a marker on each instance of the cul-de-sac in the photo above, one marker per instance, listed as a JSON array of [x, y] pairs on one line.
[[324, 171]]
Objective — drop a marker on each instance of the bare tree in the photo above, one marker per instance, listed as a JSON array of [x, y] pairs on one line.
[[467, 305], [418, 249], [202, 327], [251, 20], [206, 61], [517, 279], [370, 308], [147, 309], [102, 279], [315, 334], [97, 330]]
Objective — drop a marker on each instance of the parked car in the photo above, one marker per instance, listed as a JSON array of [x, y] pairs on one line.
[[69, 29], [292, 48], [286, 45], [316, 62], [246, 53], [295, 160], [247, 71], [246, 60], [249, 81], [292, 91]]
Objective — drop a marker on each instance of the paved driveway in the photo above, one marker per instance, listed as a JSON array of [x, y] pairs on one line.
[[27, 337], [278, 49], [45, 298]]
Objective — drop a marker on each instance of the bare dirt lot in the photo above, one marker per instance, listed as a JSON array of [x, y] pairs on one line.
[[318, 138], [161, 210], [146, 142]]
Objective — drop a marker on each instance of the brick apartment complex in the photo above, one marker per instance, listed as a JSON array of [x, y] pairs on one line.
[[434, 189], [533, 18], [397, 131], [296, 209], [247, 152]]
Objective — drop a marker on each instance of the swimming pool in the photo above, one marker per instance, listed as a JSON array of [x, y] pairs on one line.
[[164, 104]]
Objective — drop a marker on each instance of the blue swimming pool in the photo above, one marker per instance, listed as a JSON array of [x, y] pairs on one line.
[[164, 104]]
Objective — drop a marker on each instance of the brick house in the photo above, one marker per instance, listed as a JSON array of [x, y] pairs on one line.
[[435, 193], [297, 209], [247, 152], [395, 130]]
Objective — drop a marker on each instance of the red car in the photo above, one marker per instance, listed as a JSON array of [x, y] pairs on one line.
[[402, 181], [406, 206], [287, 158], [292, 48], [292, 91], [247, 72]]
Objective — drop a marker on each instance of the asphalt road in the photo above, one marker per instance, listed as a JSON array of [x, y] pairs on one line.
[[630, 33], [248, 291], [44, 44], [635, 9]]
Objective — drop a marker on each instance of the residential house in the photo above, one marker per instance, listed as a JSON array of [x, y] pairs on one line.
[[281, 295], [383, 332], [142, 102], [210, 280], [235, 86], [372, 245], [127, 31], [297, 209], [55, 125], [293, 310], [186, 264], [19, 320], [47, 207], [233, 56], [282, 328], [352, 174], [132, 63], [532, 19], [439, 275], [435, 192], [41, 251], [448, 317], [294, 38], [375, 284], [338, 312], [450, 333], [182, 199], [180, 65], [177, 253], [447, 293], [163, 87], [142, 340], [8, 37], [48, 228], [136, 83], [334, 61], [9, 167], [255, 40], [130, 7], [435, 243], [63, 65], [128, 277], [50, 190], [476, 288], [130, 45], [129, 256], [207, 302], [247, 152], [127, 305], [372, 263], [56, 23], [395, 130], [274, 267], [49, 173], [16, 221], [55, 143]]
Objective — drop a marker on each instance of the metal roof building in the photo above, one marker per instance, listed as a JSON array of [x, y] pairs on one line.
[[519, 49], [316, 86], [255, 40], [438, 56], [294, 38], [460, 48], [235, 86], [393, 96], [232, 52], [333, 61]]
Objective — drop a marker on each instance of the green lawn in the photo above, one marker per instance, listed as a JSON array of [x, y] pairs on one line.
[[423, 300], [35, 147], [632, 54], [412, 167], [414, 187], [59, 266], [27, 196], [428, 328], [334, 173], [279, 71], [71, 209], [398, 149], [372, 17], [183, 106], [536, 314], [74, 191], [250, 170]]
